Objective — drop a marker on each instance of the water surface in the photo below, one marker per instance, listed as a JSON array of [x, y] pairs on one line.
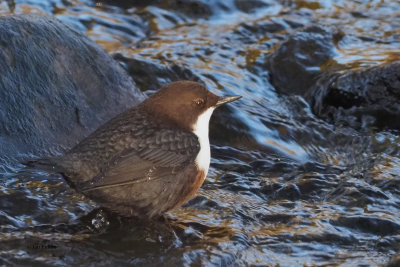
[[285, 187]]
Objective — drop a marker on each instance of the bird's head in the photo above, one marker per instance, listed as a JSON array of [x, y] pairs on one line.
[[186, 104]]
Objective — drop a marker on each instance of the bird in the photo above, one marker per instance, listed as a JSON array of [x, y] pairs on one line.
[[150, 158]]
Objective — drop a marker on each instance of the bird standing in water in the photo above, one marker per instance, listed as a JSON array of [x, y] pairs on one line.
[[148, 159]]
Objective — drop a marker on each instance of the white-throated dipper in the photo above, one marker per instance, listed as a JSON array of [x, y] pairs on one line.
[[148, 159]]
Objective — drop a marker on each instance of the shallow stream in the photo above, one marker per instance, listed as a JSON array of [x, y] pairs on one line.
[[285, 188]]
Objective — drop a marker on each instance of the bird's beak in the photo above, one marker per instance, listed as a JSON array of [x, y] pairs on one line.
[[227, 99]]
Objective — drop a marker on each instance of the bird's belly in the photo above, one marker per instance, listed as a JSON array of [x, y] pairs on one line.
[[152, 196], [190, 186]]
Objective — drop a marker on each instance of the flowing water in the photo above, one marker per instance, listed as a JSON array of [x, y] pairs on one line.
[[285, 188]]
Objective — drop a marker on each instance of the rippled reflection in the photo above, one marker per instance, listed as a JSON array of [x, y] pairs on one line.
[[285, 187]]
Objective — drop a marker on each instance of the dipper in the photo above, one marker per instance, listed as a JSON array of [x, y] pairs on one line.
[[148, 159]]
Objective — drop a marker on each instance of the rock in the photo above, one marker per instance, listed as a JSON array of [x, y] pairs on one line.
[[152, 76], [56, 86], [297, 62], [250, 6], [227, 130], [194, 8], [190, 8], [252, 32], [367, 98]]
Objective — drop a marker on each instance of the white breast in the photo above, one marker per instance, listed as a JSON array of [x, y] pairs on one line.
[[200, 128]]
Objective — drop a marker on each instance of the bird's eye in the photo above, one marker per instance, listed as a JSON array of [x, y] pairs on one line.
[[198, 101]]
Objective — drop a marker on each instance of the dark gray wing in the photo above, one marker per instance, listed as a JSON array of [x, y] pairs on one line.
[[155, 157], [169, 148]]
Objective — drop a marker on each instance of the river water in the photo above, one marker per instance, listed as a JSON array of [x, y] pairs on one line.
[[285, 187]]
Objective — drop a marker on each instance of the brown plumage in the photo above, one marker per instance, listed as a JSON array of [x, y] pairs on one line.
[[145, 160]]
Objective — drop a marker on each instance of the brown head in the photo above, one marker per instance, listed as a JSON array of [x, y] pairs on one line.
[[181, 103]]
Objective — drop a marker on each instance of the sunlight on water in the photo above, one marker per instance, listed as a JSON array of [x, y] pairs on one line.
[[286, 187]]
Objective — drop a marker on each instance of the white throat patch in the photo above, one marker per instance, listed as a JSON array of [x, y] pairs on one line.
[[200, 128]]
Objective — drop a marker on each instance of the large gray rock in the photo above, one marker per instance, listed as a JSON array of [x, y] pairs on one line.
[[56, 86]]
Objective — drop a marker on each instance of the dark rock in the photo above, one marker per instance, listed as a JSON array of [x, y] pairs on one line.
[[191, 8], [195, 8], [227, 129], [252, 32], [56, 86], [360, 98], [129, 4], [367, 98], [250, 6], [151, 76], [297, 62]]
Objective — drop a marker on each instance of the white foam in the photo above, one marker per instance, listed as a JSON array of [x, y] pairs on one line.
[[200, 128]]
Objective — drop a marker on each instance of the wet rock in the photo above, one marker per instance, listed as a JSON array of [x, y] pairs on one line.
[[360, 99], [252, 32], [226, 128], [297, 62], [367, 98], [151, 76], [250, 6], [191, 8], [56, 86], [195, 8], [128, 4]]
